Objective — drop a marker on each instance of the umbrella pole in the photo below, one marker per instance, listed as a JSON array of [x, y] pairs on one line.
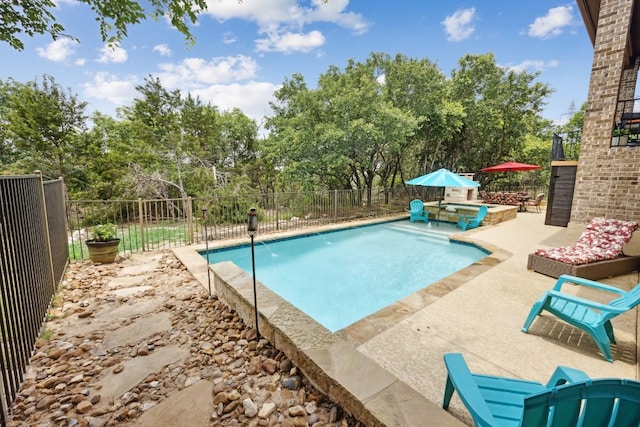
[[439, 202]]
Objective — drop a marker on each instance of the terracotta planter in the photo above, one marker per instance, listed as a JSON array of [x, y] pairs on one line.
[[103, 252]]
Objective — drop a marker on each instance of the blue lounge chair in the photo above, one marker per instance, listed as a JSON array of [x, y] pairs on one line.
[[416, 211], [590, 316], [467, 222], [569, 399]]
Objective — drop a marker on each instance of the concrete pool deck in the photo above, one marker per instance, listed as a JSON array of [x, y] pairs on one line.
[[388, 368]]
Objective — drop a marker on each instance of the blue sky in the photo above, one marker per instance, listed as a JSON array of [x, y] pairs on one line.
[[245, 50]]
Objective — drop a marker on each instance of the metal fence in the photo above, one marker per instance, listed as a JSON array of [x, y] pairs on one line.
[[33, 257], [145, 225], [40, 231]]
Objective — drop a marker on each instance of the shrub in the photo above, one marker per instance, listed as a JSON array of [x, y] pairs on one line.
[[105, 232]]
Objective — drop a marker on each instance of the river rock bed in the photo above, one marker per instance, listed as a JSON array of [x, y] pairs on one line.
[[252, 383]]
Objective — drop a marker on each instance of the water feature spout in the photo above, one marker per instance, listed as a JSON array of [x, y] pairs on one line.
[[273, 254]]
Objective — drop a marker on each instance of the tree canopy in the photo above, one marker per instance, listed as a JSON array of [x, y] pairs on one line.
[[26, 18], [388, 119], [378, 122]]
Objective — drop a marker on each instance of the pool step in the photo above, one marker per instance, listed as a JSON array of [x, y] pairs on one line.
[[428, 232]]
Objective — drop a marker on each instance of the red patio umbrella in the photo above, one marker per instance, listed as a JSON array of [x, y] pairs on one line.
[[510, 167]]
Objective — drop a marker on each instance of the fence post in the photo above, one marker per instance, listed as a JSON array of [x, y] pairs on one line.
[[335, 204], [275, 202], [189, 220], [141, 210], [46, 232]]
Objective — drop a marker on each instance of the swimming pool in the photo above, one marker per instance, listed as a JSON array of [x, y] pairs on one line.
[[340, 277]]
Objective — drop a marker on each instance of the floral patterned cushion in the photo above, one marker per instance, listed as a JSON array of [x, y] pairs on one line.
[[603, 239], [510, 199], [495, 198]]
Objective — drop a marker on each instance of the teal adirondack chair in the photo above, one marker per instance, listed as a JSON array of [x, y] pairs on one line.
[[416, 211], [569, 399], [590, 316], [467, 222]]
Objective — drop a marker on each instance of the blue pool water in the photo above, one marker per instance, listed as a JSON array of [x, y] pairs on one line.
[[340, 277]]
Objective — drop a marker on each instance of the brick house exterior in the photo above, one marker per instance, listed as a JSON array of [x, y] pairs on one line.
[[607, 176]]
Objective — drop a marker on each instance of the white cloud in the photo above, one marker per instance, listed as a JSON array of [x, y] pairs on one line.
[[284, 20], [269, 12], [215, 81], [112, 54], [459, 25], [258, 11], [533, 65], [229, 38], [58, 50], [197, 71], [57, 3], [290, 42], [119, 91], [334, 11], [553, 23], [162, 49], [251, 97]]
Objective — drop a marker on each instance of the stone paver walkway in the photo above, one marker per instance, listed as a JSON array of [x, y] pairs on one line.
[[140, 343]]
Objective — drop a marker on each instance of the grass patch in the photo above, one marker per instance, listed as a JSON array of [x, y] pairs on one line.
[[46, 334], [155, 237]]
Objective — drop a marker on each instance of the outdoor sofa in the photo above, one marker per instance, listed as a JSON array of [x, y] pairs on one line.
[[598, 253]]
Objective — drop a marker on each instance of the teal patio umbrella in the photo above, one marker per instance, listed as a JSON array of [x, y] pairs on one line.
[[442, 178]]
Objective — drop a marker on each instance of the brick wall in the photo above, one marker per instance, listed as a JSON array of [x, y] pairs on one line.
[[607, 177]]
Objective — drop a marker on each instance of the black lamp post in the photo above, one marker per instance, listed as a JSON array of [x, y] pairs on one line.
[[252, 230]]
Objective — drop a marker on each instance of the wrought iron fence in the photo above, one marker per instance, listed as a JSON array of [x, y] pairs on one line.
[[39, 232], [145, 225], [33, 256]]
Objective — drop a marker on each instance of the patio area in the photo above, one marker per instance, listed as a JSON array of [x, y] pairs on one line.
[[477, 312]]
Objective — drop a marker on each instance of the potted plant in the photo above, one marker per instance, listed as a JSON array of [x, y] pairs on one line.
[[103, 248], [620, 136]]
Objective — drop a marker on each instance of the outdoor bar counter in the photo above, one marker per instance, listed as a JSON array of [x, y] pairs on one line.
[[449, 211]]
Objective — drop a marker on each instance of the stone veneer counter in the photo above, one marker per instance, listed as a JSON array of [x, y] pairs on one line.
[[495, 215]]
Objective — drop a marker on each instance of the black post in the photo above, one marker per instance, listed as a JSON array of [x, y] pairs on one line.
[[252, 229], [206, 244], [557, 151]]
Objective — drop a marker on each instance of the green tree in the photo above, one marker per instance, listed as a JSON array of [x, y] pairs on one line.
[[7, 151], [109, 151], [182, 146], [342, 134], [237, 138], [31, 17], [500, 108], [159, 141], [45, 123], [419, 88], [285, 147], [571, 133]]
